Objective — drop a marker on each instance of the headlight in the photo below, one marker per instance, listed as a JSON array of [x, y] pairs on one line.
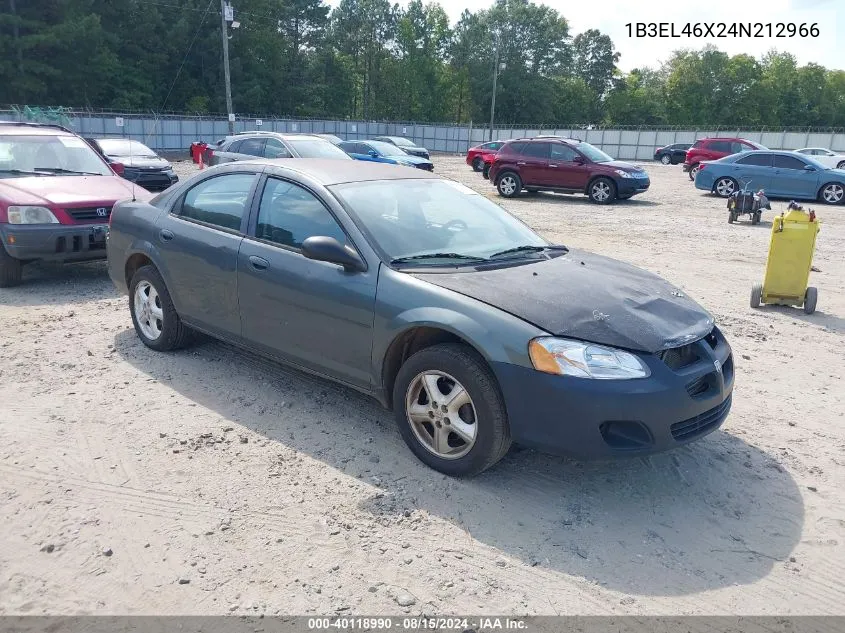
[[624, 173], [405, 163], [584, 360], [31, 215]]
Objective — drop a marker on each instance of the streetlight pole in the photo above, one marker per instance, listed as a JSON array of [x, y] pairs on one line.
[[226, 74], [495, 82]]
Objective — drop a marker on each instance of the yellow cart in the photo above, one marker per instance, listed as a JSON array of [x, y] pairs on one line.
[[791, 250]]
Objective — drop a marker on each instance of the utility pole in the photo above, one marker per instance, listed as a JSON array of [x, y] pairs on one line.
[[228, 77], [495, 82]]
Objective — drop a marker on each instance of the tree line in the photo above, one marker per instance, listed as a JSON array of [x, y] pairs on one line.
[[370, 59]]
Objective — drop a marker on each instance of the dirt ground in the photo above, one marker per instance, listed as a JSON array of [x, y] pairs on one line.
[[210, 481]]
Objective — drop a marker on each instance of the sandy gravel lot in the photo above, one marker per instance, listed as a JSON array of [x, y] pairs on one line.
[[210, 481]]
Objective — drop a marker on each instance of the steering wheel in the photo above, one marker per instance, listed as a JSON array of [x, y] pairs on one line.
[[456, 224]]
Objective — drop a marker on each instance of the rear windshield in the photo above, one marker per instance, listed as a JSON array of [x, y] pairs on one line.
[[316, 148], [40, 155], [123, 147]]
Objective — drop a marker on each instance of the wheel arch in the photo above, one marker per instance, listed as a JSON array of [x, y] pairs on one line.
[[822, 188], [595, 177]]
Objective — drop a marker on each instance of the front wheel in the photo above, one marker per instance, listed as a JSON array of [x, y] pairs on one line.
[[833, 193], [509, 185], [602, 191], [11, 269], [449, 410], [153, 314], [841, 165]]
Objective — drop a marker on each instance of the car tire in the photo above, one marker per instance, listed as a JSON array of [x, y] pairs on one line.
[[161, 334], [731, 217], [509, 184], [724, 187], [755, 218], [477, 164], [11, 269], [442, 367], [841, 165], [811, 296], [485, 171], [602, 191], [756, 295], [693, 170], [832, 193], [666, 159]]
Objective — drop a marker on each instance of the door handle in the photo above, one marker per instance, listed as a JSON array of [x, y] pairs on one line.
[[550, 165], [521, 163], [166, 235], [259, 263]]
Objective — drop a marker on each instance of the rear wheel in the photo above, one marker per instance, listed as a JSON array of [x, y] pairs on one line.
[[841, 165], [11, 269], [477, 163], [811, 296], [509, 185], [486, 171], [449, 410], [693, 171], [153, 314], [756, 295], [666, 159], [724, 187], [832, 193], [602, 191]]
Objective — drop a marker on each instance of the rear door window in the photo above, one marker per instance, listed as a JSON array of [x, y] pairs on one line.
[[274, 148], [537, 150], [252, 147], [234, 147], [721, 146], [760, 160], [788, 162], [219, 201]]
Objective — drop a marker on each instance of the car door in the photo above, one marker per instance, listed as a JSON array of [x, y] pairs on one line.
[[199, 242], [534, 164], [790, 178], [754, 171], [311, 313], [567, 168]]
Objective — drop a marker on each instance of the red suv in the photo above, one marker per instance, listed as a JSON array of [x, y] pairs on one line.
[[478, 155], [56, 196], [552, 163], [714, 149]]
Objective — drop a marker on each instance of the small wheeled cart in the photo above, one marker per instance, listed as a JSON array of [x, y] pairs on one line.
[[791, 250]]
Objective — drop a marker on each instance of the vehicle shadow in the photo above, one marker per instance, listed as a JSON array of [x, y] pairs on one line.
[[47, 283], [545, 196], [819, 318], [714, 514]]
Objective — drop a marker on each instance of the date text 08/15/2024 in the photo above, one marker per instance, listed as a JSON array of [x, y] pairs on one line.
[[479, 625], [722, 29]]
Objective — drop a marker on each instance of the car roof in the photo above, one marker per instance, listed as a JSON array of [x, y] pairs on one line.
[[29, 128], [281, 135], [328, 171], [726, 138]]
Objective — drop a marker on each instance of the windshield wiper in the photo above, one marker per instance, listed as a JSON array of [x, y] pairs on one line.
[[60, 170], [403, 260], [20, 172], [529, 249]]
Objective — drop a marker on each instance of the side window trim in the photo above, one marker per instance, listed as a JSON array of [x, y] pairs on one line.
[[175, 210], [252, 227]]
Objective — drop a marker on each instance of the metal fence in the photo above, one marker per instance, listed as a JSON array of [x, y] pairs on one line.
[[177, 132]]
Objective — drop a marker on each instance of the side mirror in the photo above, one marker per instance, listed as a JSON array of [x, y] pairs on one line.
[[809, 168], [327, 249], [578, 160], [119, 169], [373, 153]]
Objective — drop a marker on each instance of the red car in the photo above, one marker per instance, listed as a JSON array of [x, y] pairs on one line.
[[478, 155], [714, 149], [56, 197]]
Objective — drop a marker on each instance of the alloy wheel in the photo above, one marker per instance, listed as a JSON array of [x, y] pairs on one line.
[[833, 193], [725, 187], [601, 191], [148, 310], [694, 171], [441, 414], [665, 159], [507, 185]]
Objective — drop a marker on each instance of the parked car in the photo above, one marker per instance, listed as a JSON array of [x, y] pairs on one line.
[[565, 166], [378, 152], [56, 196], [714, 149], [428, 296], [779, 174], [825, 156], [405, 144], [331, 138], [672, 154], [141, 165], [250, 145], [477, 155]]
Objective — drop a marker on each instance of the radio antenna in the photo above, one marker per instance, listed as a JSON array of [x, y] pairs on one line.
[[134, 198]]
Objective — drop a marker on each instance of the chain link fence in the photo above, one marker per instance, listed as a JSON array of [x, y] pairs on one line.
[[175, 132]]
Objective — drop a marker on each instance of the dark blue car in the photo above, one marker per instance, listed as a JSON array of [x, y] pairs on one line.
[[379, 152], [780, 174]]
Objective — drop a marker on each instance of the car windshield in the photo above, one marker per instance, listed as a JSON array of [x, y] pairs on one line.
[[123, 147], [386, 149], [316, 148], [593, 153], [43, 155], [435, 222]]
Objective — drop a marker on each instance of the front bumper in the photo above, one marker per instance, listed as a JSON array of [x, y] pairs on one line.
[[631, 186], [597, 419], [151, 180], [55, 242]]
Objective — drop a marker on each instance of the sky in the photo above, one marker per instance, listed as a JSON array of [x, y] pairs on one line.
[[611, 16]]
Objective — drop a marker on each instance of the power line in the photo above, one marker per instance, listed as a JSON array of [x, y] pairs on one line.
[[187, 52]]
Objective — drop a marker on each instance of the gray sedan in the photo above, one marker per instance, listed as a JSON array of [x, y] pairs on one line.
[[476, 331]]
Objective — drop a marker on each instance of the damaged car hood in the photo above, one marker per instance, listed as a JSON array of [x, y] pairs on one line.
[[587, 297]]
